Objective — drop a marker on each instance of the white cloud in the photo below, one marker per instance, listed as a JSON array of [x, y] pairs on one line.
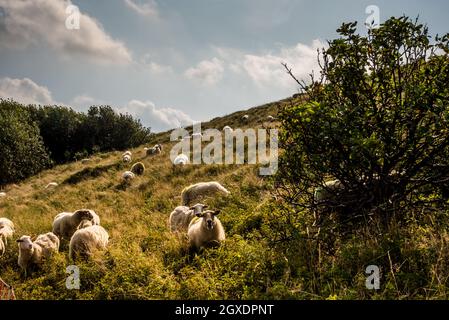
[[25, 91], [83, 102], [158, 119], [32, 22], [207, 72], [155, 67], [148, 9]]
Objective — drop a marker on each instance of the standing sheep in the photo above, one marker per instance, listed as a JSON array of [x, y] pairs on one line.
[[153, 151], [180, 217], [66, 223], [328, 190], [6, 230], [127, 176], [200, 189], [206, 231], [33, 253], [87, 240], [245, 118], [126, 158], [138, 168]]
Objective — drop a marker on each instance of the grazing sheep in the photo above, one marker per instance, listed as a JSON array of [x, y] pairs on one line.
[[127, 176], [66, 223], [126, 158], [153, 151], [180, 217], [33, 253], [51, 185], [6, 230], [84, 161], [328, 190], [138, 168], [206, 231], [127, 153], [87, 223], [270, 118], [85, 241], [181, 159], [245, 118], [194, 191]]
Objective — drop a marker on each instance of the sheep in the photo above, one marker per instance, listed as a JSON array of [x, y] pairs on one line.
[[51, 185], [181, 159], [200, 189], [6, 230], [127, 153], [87, 223], [206, 230], [126, 158], [153, 151], [329, 189], [2, 247], [2, 194], [66, 223], [85, 241], [180, 217], [84, 161], [127, 176], [33, 253], [245, 118], [270, 118], [158, 146], [138, 168]]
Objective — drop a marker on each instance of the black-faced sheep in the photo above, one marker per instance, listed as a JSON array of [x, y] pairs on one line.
[[66, 223], [191, 193], [180, 217], [138, 168], [206, 230], [32, 253], [86, 241]]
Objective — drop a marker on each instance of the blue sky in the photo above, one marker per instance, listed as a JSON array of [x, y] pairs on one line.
[[169, 62]]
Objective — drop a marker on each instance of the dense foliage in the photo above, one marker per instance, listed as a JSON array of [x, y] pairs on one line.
[[32, 135], [377, 120]]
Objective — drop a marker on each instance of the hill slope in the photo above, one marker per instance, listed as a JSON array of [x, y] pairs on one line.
[[144, 260]]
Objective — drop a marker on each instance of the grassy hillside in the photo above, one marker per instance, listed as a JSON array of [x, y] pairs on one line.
[[144, 260]]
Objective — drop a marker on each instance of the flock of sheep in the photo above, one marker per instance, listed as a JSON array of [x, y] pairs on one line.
[[82, 229]]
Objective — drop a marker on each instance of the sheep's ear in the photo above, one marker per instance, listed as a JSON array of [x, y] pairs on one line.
[[19, 240], [205, 206], [199, 214], [216, 212]]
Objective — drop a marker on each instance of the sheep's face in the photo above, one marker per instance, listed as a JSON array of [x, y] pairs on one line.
[[209, 218], [25, 243], [198, 208], [85, 214]]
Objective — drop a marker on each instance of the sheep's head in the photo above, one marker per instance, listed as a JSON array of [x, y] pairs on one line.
[[85, 214], [25, 243], [208, 218], [198, 208]]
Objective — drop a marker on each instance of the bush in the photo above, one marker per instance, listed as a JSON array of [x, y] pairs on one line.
[[377, 120]]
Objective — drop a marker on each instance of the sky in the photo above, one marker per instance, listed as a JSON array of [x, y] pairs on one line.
[[172, 62]]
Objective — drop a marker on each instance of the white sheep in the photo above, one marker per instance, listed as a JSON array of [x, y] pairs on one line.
[[127, 153], [6, 229], [158, 146], [66, 223], [153, 151], [180, 217], [33, 253], [206, 230], [126, 158], [2, 194], [138, 168], [87, 223], [127, 176], [270, 118], [200, 189], [2, 247], [181, 159], [51, 185], [245, 117], [327, 190], [87, 240]]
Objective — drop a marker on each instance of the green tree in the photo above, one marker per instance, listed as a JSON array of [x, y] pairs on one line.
[[22, 151], [377, 119]]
